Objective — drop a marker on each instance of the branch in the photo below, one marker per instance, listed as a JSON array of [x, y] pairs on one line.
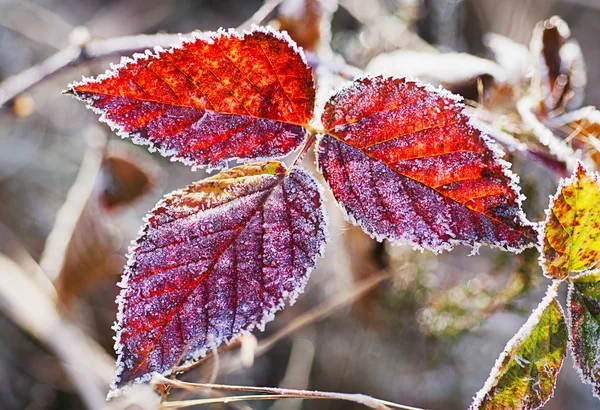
[[322, 311], [272, 393], [76, 55], [261, 14]]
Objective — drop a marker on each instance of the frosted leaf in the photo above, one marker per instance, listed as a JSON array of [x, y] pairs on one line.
[[216, 259], [216, 97], [524, 375], [571, 233], [584, 316], [406, 164]]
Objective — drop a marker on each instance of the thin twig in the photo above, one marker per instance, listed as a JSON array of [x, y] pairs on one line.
[[261, 14], [272, 393], [215, 369], [321, 312], [310, 140], [313, 315], [76, 55]]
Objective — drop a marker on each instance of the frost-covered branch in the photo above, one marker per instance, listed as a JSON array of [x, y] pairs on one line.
[[78, 54]]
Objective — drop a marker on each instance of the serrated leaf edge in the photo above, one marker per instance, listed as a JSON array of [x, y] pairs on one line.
[[571, 343], [564, 182]]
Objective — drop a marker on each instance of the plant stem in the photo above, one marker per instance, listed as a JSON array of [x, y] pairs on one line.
[[272, 393], [310, 140]]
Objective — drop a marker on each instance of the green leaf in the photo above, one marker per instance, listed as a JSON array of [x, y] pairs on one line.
[[525, 373], [571, 237], [584, 315]]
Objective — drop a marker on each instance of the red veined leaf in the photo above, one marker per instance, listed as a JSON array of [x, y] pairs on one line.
[[215, 260], [405, 164], [218, 96]]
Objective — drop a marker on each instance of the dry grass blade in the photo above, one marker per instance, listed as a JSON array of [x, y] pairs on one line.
[[322, 311], [88, 365], [35, 312]]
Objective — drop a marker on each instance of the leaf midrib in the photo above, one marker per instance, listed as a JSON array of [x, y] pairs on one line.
[[337, 138], [78, 94]]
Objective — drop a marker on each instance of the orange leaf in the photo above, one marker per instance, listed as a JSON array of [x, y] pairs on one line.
[[217, 97]]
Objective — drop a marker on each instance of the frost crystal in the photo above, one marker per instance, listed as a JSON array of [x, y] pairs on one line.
[[583, 304], [570, 239]]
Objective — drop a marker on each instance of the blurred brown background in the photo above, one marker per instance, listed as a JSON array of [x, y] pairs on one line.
[[386, 344]]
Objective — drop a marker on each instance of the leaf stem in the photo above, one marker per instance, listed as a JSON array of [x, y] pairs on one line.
[[310, 140]]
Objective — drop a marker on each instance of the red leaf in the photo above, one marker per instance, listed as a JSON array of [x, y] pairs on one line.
[[405, 164], [216, 259], [217, 97]]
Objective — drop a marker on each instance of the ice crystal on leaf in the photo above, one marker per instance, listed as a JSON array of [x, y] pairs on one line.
[[216, 97], [219, 257], [214, 260], [405, 163]]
